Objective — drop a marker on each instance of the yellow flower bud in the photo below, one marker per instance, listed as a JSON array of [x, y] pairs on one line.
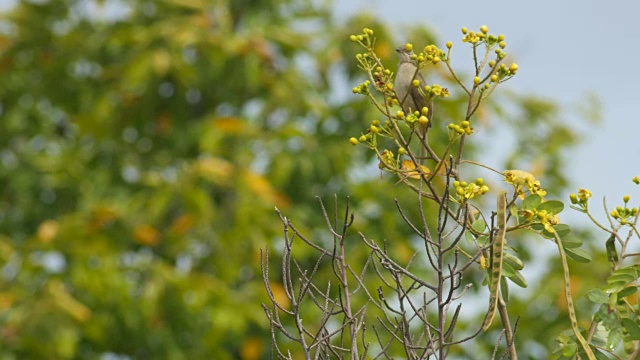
[[513, 68], [464, 30], [353, 38], [400, 115], [362, 138], [449, 44], [353, 141], [626, 198], [425, 110], [408, 47], [573, 198], [415, 83], [484, 29], [476, 80]]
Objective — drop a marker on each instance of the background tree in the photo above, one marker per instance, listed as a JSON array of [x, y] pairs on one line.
[[144, 146]]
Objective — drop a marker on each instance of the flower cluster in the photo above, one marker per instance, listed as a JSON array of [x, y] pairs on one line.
[[523, 181], [417, 117], [458, 129], [364, 38], [547, 219], [430, 54], [581, 198], [436, 90], [376, 128], [483, 35], [387, 161], [625, 215], [362, 88], [468, 191]]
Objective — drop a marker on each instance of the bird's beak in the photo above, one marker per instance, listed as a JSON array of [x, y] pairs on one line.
[[399, 49]]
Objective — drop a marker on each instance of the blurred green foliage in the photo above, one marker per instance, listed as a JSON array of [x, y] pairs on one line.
[[143, 147]]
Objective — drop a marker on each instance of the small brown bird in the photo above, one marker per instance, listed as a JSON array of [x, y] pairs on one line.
[[408, 95]]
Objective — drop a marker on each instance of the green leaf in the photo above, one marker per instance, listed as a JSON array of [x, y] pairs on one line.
[[519, 280], [599, 354], [632, 327], [513, 261], [569, 350], [571, 242], [470, 237], [615, 337], [562, 230], [552, 206], [620, 278], [479, 225], [579, 255], [612, 254], [531, 202], [504, 289], [507, 270], [629, 290], [615, 287], [597, 296], [482, 240]]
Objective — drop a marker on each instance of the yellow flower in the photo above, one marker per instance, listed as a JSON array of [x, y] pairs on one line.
[[583, 194], [520, 178]]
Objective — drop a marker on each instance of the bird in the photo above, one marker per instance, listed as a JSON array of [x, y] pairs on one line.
[[408, 95]]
